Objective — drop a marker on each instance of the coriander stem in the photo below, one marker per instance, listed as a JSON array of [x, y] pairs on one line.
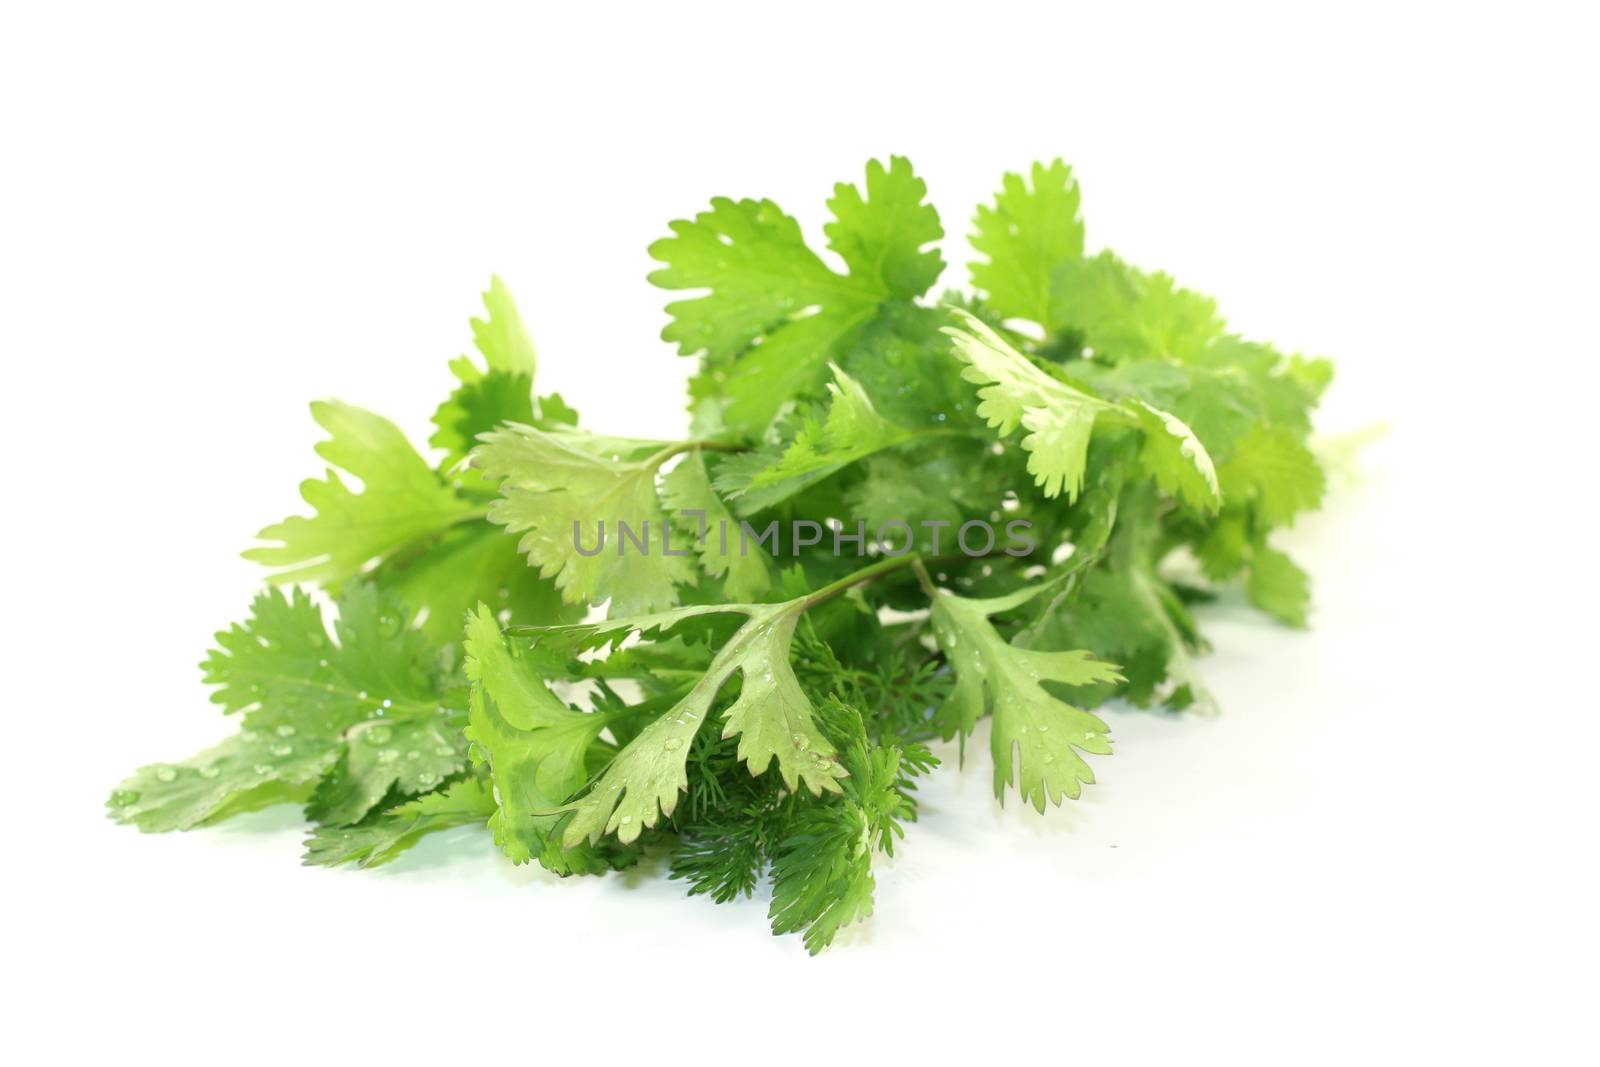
[[865, 574], [679, 447]]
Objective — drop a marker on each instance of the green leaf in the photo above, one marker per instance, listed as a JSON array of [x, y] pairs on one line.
[[1036, 736], [402, 500], [381, 839], [772, 718], [822, 875], [1059, 419], [533, 747], [1273, 470], [1278, 586], [774, 314], [883, 235], [302, 693], [472, 562], [383, 756], [557, 489], [714, 532], [1176, 459], [501, 338], [1029, 232], [180, 796], [1126, 314], [478, 406], [852, 430]]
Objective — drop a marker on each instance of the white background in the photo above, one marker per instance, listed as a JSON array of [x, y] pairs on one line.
[[1382, 848]]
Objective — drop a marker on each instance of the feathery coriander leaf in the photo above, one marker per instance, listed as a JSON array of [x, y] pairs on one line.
[[1036, 734], [822, 875], [1059, 419], [771, 717]]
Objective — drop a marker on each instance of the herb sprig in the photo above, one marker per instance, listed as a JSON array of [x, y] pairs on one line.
[[749, 674]]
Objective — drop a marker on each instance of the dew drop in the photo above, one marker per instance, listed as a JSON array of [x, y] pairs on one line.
[[123, 797], [286, 730], [209, 771], [625, 820], [166, 774], [262, 768], [672, 744], [378, 735], [281, 750], [387, 755], [801, 741]]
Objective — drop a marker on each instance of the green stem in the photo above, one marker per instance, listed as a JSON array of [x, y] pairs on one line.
[[677, 448], [865, 574]]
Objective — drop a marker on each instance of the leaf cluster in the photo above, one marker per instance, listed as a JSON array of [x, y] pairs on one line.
[[441, 645]]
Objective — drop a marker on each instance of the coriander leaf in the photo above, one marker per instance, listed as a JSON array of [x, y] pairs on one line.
[[852, 430], [1278, 586], [1059, 419], [1176, 459], [1125, 612], [469, 563], [501, 393], [771, 716], [1126, 314], [501, 338], [401, 501], [1028, 233], [533, 747], [402, 755], [300, 692], [180, 796], [687, 488], [774, 313], [1274, 470], [478, 406], [1036, 735], [282, 669], [383, 838], [883, 234], [558, 489]]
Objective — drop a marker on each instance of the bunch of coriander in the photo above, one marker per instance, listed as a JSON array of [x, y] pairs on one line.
[[892, 516]]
